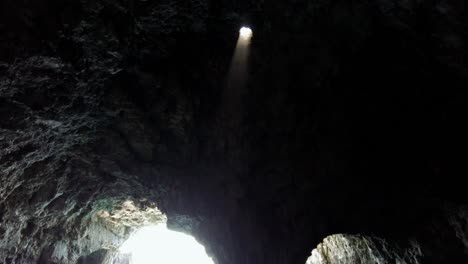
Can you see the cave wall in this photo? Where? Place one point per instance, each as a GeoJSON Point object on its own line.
{"type": "Point", "coordinates": [351, 122]}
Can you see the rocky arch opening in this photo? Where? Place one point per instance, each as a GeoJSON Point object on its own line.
{"type": "Point", "coordinates": [158, 244]}
{"type": "Point", "coordinates": [347, 248]}
{"type": "Point", "coordinates": [131, 234]}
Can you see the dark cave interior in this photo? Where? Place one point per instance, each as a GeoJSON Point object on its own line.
{"type": "Point", "coordinates": [349, 128]}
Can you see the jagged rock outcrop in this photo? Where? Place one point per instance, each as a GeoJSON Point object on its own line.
{"type": "Point", "coordinates": [344, 249]}
{"type": "Point", "coordinates": [441, 241]}
{"type": "Point", "coordinates": [55, 185]}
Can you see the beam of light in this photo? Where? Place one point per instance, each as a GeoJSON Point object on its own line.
{"type": "Point", "coordinates": [159, 245]}
{"type": "Point", "coordinates": [237, 76]}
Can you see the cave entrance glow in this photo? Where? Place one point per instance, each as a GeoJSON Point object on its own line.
{"type": "Point", "coordinates": [159, 245]}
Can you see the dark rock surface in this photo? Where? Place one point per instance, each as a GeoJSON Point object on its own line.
{"type": "Point", "coordinates": [352, 121]}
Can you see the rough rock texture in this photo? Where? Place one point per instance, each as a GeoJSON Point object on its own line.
{"type": "Point", "coordinates": [352, 121]}
{"type": "Point", "coordinates": [360, 249]}
{"type": "Point", "coordinates": [54, 182]}
{"type": "Point", "coordinates": [442, 241]}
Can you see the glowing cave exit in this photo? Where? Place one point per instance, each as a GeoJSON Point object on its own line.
{"type": "Point", "coordinates": [159, 245]}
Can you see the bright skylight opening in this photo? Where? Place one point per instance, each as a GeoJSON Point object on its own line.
{"type": "Point", "coordinates": [245, 33]}
{"type": "Point", "coordinates": [159, 245]}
